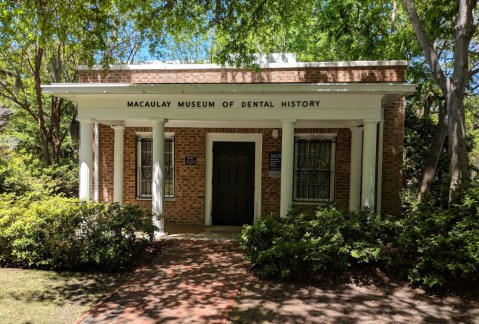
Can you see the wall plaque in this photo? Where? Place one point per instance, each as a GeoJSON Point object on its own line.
{"type": "Point", "coordinates": [275, 161]}
{"type": "Point", "coordinates": [275, 165]}
{"type": "Point", "coordinates": [190, 160]}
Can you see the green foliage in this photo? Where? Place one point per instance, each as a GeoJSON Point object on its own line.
{"type": "Point", "coordinates": [112, 235]}
{"type": "Point", "coordinates": [430, 245]}
{"type": "Point", "coordinates": [328, 240]}
{"type": "Point", "coordinates": [64, 233]}
{"type": "Point", "coordinates": [25, 175]}
{"type": "Point", "coordinates": [16, 176]}
{"type": "Point", "coordinates": [437, 246]}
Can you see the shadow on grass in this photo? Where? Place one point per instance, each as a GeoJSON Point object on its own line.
{"type": "Point", "coordinates": [64, 288]}
{"type": "Point", "coordinates": [358, 298]}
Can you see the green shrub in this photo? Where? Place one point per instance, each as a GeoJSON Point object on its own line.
{"type": "Point", "coordinates": [438, 246]}
{"type": "Point", "coordinates": [112, 235]}
{"type": "Point", "coordinates": [43, 233]}
{"type": "Point", "coordinates": [24, 175]}
{"type": "Point", "coordinates": [328, 240]}
{"type": "Point", "coordinates": [64, 233]}
{"type": "Point", "coordinates": [16, 177]}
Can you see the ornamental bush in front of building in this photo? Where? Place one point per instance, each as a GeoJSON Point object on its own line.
{"type": "Point", "coordinates": [430, 246]}
{"type": "Point", "coordinates": [64, 233]}
{"type": "Point", "coordinates": [437, 246]}
{"type": "Point", "coordinates": [327, 240]}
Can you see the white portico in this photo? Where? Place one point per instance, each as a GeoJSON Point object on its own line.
{"type": "Point", "coordinates": [288, 107]}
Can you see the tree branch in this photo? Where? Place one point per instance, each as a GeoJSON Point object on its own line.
{"type": "Point", "coordinates": [426, 45]}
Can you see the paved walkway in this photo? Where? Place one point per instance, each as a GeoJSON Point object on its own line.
{"type": "Point", "coordinates": [194, 281]}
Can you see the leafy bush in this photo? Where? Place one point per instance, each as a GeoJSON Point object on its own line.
{"type": "Point", "coordinates": [438, 246]}
{"type": "Point", "coordinates": [64, 233]}
{"type": "Point", "coordinates": [24, 175]}
{"type": "Point", "coordinates": [325, 241]}
{"type": "Point", "coordinates": [112, 235]}
{"type": "Point", "coordinates": [16, 177]}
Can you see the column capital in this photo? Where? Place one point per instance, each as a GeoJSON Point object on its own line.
{"type": "Point", "coordinates": [157, 120]}
{"type": "Point", "coordinates": [356, 129]}
{"type": "Point", "coordinates": [118, 127]}
{"type": "Point", "coordinates": [86, 120]}
{"type": "Point", "coordinates": [289, 121]}
{"type": "Point", "coordinates": [371, 120]}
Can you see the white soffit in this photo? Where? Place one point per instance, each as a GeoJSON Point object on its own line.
{"type": "Point", "coordinates": [72, 90]}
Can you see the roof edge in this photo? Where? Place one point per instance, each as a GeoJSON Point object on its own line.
{"type": "Point", "coordinates": [170, 66]}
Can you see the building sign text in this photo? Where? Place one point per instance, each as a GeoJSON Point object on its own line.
{"type": "Point", "coordinates": [198, 104]}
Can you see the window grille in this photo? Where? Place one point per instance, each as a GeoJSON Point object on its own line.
{"type": "Point", "coordinates": [314, 173]}
{"type": "Point", "coordinates": [145, 167]}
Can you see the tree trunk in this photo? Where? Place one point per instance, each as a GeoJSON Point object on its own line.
{"type": "Point", "coordinates": [433, 157]}
{"type": "Point", "coordinates": [458, 163]}
{"type": "Point", "coordinates": [463, 32]}
{"type": "Point", "coordinates": [453, 88]}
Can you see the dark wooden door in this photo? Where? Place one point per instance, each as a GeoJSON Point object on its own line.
{"type": "Point", "coordinates": [233, 183]}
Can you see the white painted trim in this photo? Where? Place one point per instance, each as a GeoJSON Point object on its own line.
{"type": "Point", "coordinates": [102, 90]}
{"type": "Point", "coordinates": [173, 66]}
{"type": "Point", "coordinates": [118, 162]}
{"type": "Point", "coordinates": [380, 164]}
{"type": "Point", "coordinates": [287, 166]}
{"type": "Point", "coordinates": [355, 172]}
{"type": "Point", "coordinates": [246, 124]}
{"type": "Point", "coordinates": [146, 134]}
{"type": "Point", "coordinates": [325, 135]}
{"type": "Point", "coordinates": [368, 179]}
{"type": "Point", "coordinates": [257, 138]}
{"type": "Point", "coordinates": [85, 159]}
{"type": "Point", "coordinates": [96, 162]}
{"type": "Point", "coordinates": [157, 190]}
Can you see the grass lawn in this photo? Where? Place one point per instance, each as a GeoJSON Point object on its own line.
{"type": "Point", "coordinates": [32, 296]}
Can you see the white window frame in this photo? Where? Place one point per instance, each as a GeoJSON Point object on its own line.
{"type": "Point", "coordinates": [326, 136]}
{"type": "Point", "coordinates": [139, 195]}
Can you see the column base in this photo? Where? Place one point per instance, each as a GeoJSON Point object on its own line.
{"type": "Point", "coordinates": [159, 235]}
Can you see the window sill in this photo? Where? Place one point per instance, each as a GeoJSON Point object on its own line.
{"type": "Point", "coordinates": [164, 199]}
{"type": "Point", "coordinates": [312, 202]}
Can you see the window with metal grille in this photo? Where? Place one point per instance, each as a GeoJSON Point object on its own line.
{"type": "Point", "coordinates": [144, 155]}
{"type": "Point", "coordinates": [314, 169]}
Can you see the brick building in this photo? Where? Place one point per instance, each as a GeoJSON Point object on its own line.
{"type": "Point", "coordinates": [205, 144]}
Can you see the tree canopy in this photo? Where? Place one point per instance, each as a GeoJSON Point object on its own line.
{"type": "Point", "coordinates": [42, 41]}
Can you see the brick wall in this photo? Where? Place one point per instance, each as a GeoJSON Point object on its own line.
{"type": "Point", "coordinates": [188, 206]}
{"type": "Point", "coordinates": [265, 75]}
{"type": "Point", "coordinates": [393, 157]}
{"type": "Point", "coordinates": [106, 162]}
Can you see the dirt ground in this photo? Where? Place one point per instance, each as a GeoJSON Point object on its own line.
{"type": "Point", "coordinates": [372, 300]}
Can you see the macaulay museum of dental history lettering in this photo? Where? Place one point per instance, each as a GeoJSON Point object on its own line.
{"type": "Point", "coordinates": [194, 104]}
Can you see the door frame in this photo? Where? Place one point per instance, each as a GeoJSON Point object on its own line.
{"type": "Point", "coordinates": [256, 138]}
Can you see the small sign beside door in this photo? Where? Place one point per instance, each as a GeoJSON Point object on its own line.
{"type": "Point", "coordinates": [190, 160]}
{"type": "Point", "coordinates": [275, 165]}
{"type": "Point", "coordinates": [275, 161]}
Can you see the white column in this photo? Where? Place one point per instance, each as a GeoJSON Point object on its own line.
{"type": "Point", "coordinates": [86, 150]}
{"type": "Point", "coordinates": [380, 164]}
{"type": "Point", "coordinates": [118, 163]}
{"type": "Point", "coordinates": [355, 174]}
{"type": "Point", "coordinates": [157, 177]}
{"type": "Point", "coordinates": [287, 165]}
{"type": "Point", "coordinates": [369, 163]}
{"type": "Point", "coordinates": [96, 162]}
